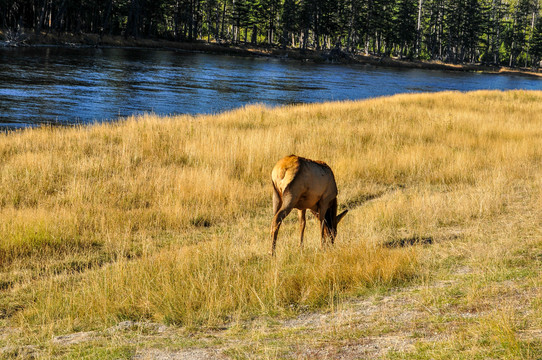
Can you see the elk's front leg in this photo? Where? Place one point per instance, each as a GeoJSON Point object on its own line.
{"type": "Point", "coordinates": [302, 223]}
{"type": "Point", "coordinates": [322, 217]}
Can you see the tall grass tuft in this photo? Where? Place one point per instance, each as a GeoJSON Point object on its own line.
{"type": "Point", "coordinates": [220, 281]}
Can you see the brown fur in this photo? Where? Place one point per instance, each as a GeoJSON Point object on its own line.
{"type": "Point", "coordinates": [303, 184]}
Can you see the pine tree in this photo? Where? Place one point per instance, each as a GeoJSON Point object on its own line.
{"type": "Point", "coordinates": [433, 29]}
{"type": "Point", "coordinates": [535, 47]}
{"type": "Point", "coordinates": [471, 30]}
{"type": "Point", "coordinates": [405, 25]}
{"type": "Point", "coordinates": [289, 21]}
{"type": "Point", "coordinates": [516, 31]}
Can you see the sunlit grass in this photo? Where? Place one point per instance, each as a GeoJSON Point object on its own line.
{"type": "Point", "coordinates": [167, 218]}
{"type": "Point", "coordinates": [218, 281]}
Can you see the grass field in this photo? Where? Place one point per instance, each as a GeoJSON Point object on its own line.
{"type": "Point", "coordinates": [149, 237]}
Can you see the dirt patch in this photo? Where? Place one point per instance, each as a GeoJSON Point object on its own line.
{"type": "Point", "coordinates": [138, 326]}
{"type": "Point", "coordinates": [360, 316]}
{"type": "Point", "coordinates": [75, 338]}
{"type": "Point", "coordinates": [124, 326]}
{"type": "Point", "coordinates": [192, 354]}
{"type": "Point", "coordinates": [354, 311]}
{"type": "Point", "coordinates": [7, 331]}
{"type": "Point", "coordinates": [19, 352]}
{"type": "Point", "coordinates": [365, 348]}
{"type": "Point", "coordinates": [530, 335]}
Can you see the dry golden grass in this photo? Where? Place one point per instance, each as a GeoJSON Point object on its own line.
{"type": "Point", "coordinates": [167, 219]}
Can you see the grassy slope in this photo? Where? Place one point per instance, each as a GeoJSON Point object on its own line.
{"type": "Point", "coordinates": [167, 220]}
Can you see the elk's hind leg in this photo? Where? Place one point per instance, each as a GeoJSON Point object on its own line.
{"type": "Point", "coordinates": [275, 225]}
{"type": "Point", "coordinates": [277, 200]}
{"type": "Point", "coordinates": [287, 205]}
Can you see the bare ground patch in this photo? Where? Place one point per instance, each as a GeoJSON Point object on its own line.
{"type": "Point", "coordinates": [191, 354]}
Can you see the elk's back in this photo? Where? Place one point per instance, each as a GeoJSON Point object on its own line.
{"type": "Point", "coordinates": [307, 180]}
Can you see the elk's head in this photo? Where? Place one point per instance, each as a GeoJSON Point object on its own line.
{"type": "Point", "coordinates": [331, 222]}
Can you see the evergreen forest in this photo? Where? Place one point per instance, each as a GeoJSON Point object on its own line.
{"type": "Point", "coordinates": [491, 32]}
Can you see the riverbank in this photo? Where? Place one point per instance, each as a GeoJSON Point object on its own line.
{"type": "Point", "coordinates": [149, 237]}
{"type": "Point", "coordinates": [336, 56]}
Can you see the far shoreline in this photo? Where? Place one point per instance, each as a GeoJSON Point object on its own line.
{"type": "Point", "coordinates": [249, 50]}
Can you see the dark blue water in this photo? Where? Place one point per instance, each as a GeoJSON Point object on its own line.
{"type": "Point", "coordinates": [67, 85]}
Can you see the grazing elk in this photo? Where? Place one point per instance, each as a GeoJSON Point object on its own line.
{"type": "Point", "coordinates": [305, 184]}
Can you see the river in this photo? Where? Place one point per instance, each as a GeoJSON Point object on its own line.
{"type": "Point", "coordinates": [54, 85]}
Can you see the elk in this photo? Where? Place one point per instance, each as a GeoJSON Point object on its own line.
{"type": "Point", "coordinates": [305, 184]}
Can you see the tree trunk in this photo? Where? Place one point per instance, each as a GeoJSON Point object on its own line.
{"type": "Point", "coordinates": [285, 38]}
{"type": "Point", "coordinates": [57, 25]}
{"type": "Point", "coordinates": [270, 32]}
{"type": "Point", "coordinates": [512, 48]}
{"type": "Point", "coordinates": [496, 58]}
{"type": "Point", "coordinates": [254, 34]}
{"type": "Point", "coordinates": [197, 30]}
{"type": "Point", "coordinates": [133, 19]}
{"type": "Point", "coordinates": [217, 22]}
{"type": "Point", "coordinates": [530, 38]}
{"type": "Point", "coordinates": [419, 28]}
{"type": "Point", "coordinates": [223, 20]}
{"type": "Point", "coordinates": [41, 18]}
{"type": "Point", "coordinates": [350, 28]}
{"type": "Point", "coordinates": [106, 25]}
